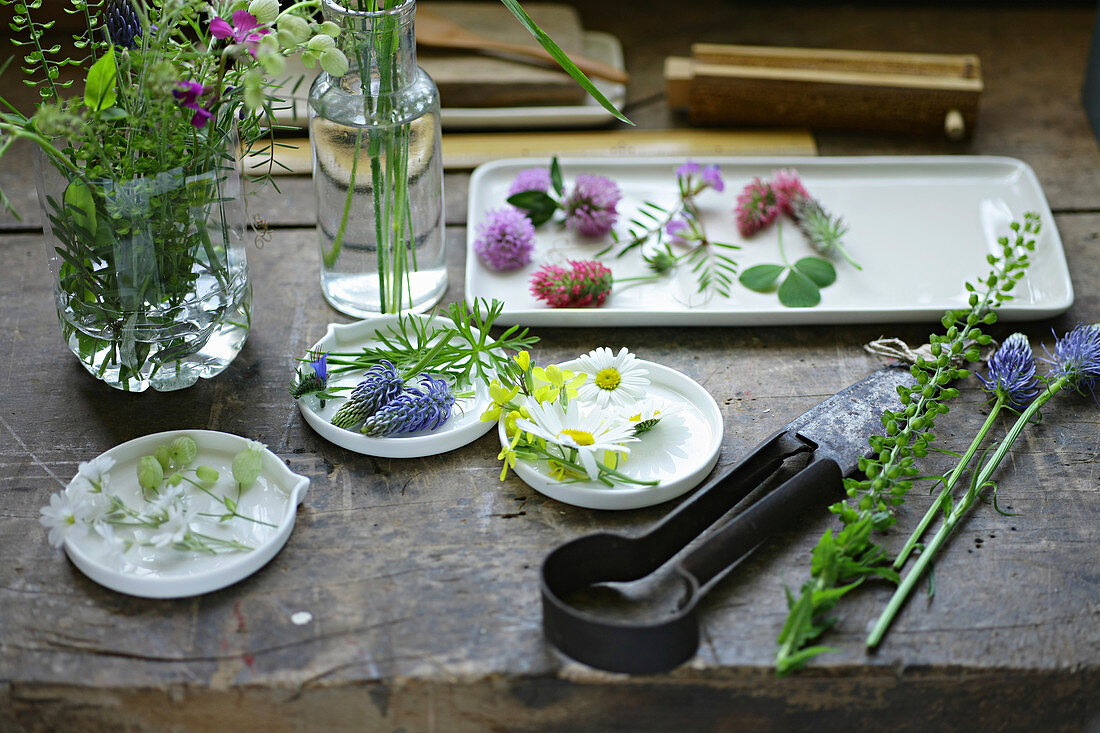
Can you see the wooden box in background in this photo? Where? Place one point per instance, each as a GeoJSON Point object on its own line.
{"type": "Point", "coordinates": [827, 89]}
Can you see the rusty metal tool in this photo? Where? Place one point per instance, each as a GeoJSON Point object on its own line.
{"type": "Point", "coordinates": [834, 434]}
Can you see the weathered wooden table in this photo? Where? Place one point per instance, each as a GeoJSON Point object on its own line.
{"type": "Point", "coordinates": [421, 574]}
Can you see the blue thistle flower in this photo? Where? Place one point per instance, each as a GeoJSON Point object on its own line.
{"type": "Point", "coordinates": [1077, 357]}
{"type": "Point", "coordinates": [122, 23]}
{"type": "Point", "coordinates": [306, 383]}
{"type": "Point", "coordinates": [1011, 372]}
{"type": "Point", "coordinates": [415, 409]}
{"type": "Point", "coordinates": [379, 387]}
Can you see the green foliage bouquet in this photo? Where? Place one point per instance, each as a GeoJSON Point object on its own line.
{"type": "Point", "coordinates": [138, 176]}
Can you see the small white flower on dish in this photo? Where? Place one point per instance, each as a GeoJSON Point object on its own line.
{"type": "Point", "coordinates": [616, 379]}
{"type": "Point", "coordinates": [588, 431]}
{"type": "Point", "coordinates": [174, 528]}
{"type": "Point", "coordinates": [59, 517]}
{"type": "Point", "coordinates": [96, 471]}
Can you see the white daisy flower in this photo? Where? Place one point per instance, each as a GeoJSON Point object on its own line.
{"type": "Point", "coordinates": [645, 414]}
{"type": "Point", "coordinates": [174, 528]}
{"type": "Point", "coordinates": [588, 432]}
{"type": "Point", "coordinates": [59, 517]}
{"type": "Point", "coordinates": [615, 379]}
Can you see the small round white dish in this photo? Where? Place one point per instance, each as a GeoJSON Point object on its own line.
{"type": "Point", "coordinates": [151, 572]}
{"type": "Point", "coordinates": [678, 452]}
{"type": "Point", "coordinates": [463, 427]}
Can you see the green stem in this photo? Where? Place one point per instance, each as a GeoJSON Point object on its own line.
{"type": "Point", "coordinates": [925, 559]}
{"type": "Point", "coordinates": [949, 482]}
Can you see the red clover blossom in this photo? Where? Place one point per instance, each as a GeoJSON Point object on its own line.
{"type": "Point", "coordinates": [506, 239]}
{"type": "Point", "coordinates": [587, 282]}
{"type": "Point", "coordinates": [757, 207]}
{"type": "Point", "coordinates": [788, 189]}
{"type": "Point", "coordinates": [590, 207]}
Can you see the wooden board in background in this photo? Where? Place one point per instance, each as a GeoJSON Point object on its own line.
{"type": "Point", "coordinates": [465, 151]}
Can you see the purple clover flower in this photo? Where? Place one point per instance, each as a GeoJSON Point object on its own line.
{"type": "Point", "coordinates": [590, 207]}
{"type": "Point", "coordinates": [1011, 372]}
{"type": "Point", "coordinates": [1077, 357]}
{"type": "Point", "coordinates": [506, 239]}
{"type": "Point", "coordinates": [417, 408]}
{"type": "Point", "coordinates": [530, 179]}
{"type": "Point", "coordinates": [187, 94]}
{"type": "Point", "coordinates": [712, 176]}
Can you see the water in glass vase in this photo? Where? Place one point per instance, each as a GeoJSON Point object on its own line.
{"type": "Point", "coordinates": [377, 169]}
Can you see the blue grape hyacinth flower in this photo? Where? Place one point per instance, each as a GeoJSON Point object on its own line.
{"type": "Point", "coordinates": [417, 408]}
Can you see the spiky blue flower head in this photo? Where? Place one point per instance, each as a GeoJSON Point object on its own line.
{"type": "Point", "coordinates": [417, 408]}
{"type": "Point", "coordinates": [309, 383]}
{"type": "Point", "coordinates": [1011, 372]}
{"type": "Point", "coordinates": [1077, 356]}
{"type": "Point", "coordinates": [379, 387]}
{"type": "Point", "coordinates": [122, 23]}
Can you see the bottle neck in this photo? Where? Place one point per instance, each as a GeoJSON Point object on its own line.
{"type": "Point", "coordinates": [379, 40]}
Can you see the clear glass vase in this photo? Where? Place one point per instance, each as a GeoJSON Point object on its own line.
{"type": "Point", "coordinates": [150, 277]}
{"type": "Point", "coordinates": [377, 170]}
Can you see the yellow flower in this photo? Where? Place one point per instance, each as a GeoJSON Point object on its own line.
{"type": "Point", "coordinates": [524, 360]}
{"type": "Point", "coordinates": [510, 421]}
{"type": "Point", "coordinates": [508, 455]}
{"type": "Point", "coordinates": [500, 397]}
{"type": "Point", "coordinates": [546, 393]}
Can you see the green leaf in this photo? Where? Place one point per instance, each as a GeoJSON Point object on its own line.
{"type": "Point", "coordinates": [819, 270]}
{"type": "Point", "coordinates": [82, 206]}
{"type": "Point", "coordinates": [555, 176]}
{"type": "Point", "coordinates": [99, 90]}
{"type": "Point", "coordinates": [538, 206]}
{"type": "Point", "coordinates": [761, 277]}
{"type": "Point", "coordinates": [563, 60]}
{"type": "Point", "coordinates": [799, 291]}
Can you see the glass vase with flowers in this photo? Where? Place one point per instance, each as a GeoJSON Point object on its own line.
{"type": "Point", "coordinates": [138, 176]}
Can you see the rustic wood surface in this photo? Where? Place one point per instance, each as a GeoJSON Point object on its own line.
{"type": "Point", "coordinates": [421, 574]}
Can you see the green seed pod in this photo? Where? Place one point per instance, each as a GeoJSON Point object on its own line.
{"type": "Point", "coordinates": [164, 456]}
{"type": "Point", "coordinates": [206, 474]}
{"type": "Point", "coordinates": [248, 464]}
{"type": "Point", "coordinates": [184, 451]}
{"type": "Point", "coordinates": [149, 473]}
{"type": "Point", "coordinates": [175, 479]}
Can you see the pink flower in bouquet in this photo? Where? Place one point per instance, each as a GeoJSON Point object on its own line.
{"type": "Point", "coordinates": [246, 30]}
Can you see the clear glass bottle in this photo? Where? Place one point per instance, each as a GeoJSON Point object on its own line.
{"type": "Point", "coordinates": [377, 170]}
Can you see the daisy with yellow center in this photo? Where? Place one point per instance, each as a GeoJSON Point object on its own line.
{"type": "Point", "coordinates": [584, 434]}
{"type": "Point", "coordinates": [616, 380]}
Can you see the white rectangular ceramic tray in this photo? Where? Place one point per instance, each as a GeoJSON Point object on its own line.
{"type": "Point", "coordinates": [919, 226]}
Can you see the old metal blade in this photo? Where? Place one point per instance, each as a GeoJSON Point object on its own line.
{"type": "Point", "coordinates": [841, 425]}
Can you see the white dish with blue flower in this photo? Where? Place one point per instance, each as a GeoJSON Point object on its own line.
{"type": "Point", "coordinates": [460, 425]}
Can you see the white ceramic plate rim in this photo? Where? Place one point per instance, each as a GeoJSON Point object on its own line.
{"type": "Point", "coordinates": [480, 283]}
{"type": "Point", "coordinates": [594, 495]}
{"type": "Point", "coordinates": [453, 434]}
{"type": "Point", "coordinates": [154, 585]}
